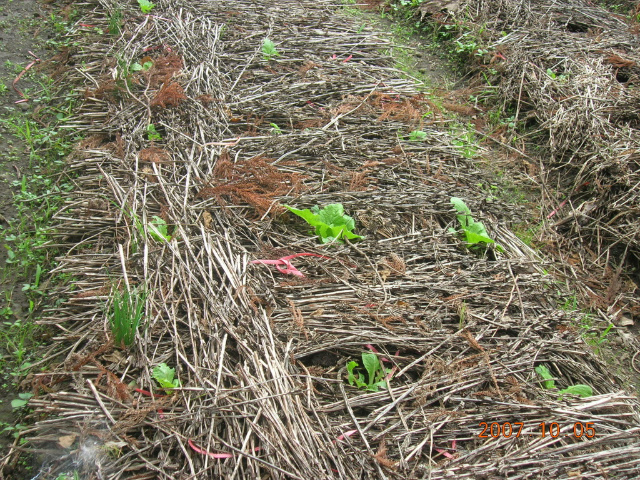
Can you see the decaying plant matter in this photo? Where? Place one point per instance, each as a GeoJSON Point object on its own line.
{"type": "Point", "coordinates": [260, 356]}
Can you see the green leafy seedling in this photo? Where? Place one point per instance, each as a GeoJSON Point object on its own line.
{"type": "Point", "coordinates": [275, 129]}
{"type": "Point", "coordinates": [547, 379]}
{"type": "Point", "coordinates": [375, 371]}
{"type": "Point", "coordinates": [146, 6]}
{"type": "Point", "coordinates": [417, 136]}
{"type": "Point", "coordinates": [22, 401]}
{"type": "Point", "coordinates": [158, 229]}
{"type": "Point", "coordinates": [152, 133]}
{"type": "Point", "coordinates": [583, 391]}
{"type": "Point", "coordinates": [331, 224]}
{"type": "Point", "coordinates": [269, 50]}
{"type": "Point", "coordinates": [164, 375]}
{"type": "Point", "coordinates": [475, 233]}
{"type": "Point", "coordinates": [136, 67]}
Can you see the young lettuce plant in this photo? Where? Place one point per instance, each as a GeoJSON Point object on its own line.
{"type": "Point", "coordinates": [331, 224]}
{"type": "Point", "coordinates": [375, 371]}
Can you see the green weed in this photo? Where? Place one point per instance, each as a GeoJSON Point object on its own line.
{"type": "Point", "coordinates": [417, 136]}
{"type": "Point", "coordinates": [115, 22]}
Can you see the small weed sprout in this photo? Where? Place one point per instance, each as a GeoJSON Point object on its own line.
{"type": "Point", "coordinates": [115, 22]}
{"type": "Point", "coordinates": [127, 314]}
{"type": "Point", "coordinates": [269, 50]}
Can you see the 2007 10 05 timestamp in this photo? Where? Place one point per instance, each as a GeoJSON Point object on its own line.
{"type": "Point", "coordinates": [544, 429]}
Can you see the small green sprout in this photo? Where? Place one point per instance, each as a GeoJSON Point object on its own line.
{"type": "Point", "coordinates": [331, 224]}
{"type": "Point", "coordinates": [475, 233]}
{"type": "Point", "coordinates": [152, 133]}
{"type": "Point", "coordinates": [417, 136]}
{"type": "Point", "coordinates": [548, 383]}
{"type": "Point", "coordinates": [22, 401]}
{"type": "Point", "coordinates": [164, 375]}
{"type": "Point", "coordinates": [158, 229]}
{"type": "Point", "coordinates": [376, 373]}
{"type": "Point", "coordinates": [269, 50]}
{"type": "Point", "coordinates": [275, 129]}
{"type": "Point", "coordinates": [146, 6]}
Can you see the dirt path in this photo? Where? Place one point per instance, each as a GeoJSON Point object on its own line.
{"type": "Point", "coordinates": [260, 351]}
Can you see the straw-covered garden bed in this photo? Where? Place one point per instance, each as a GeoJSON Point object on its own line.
{"type": "Point", "coordinates": [175, 215]}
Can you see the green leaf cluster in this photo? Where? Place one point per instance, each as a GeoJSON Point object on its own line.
{"type": "Point", "coordinates": [475, 233]}
{"type": "Point", "coordinates": [146, 6]}
{"type": "Point", "coordinates": [331, 224]}
{"type": "Point", "coordinates": [269, 49]}
{"type": "Point", "coordinates": [152, 133]}
{"type": "Point", "coordinates": [376, 373]}
{"type": "Point", "coordinates": [548, 383]}
{"type": "Point", "coordinates": [21, 401]}
{"type": "Point", "coordinates": [165, 376]}
{"type": "Point", "coordinates": [158, 229]}
{"type": "Point", "coordinates": [417, 136]}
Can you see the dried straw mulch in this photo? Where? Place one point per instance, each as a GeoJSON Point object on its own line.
{"type": "Point", "coordinates": [261, 355]}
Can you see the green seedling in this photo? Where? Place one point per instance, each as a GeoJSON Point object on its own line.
{"type": "Point", "coordinates": [475, 233]}
{"type": "Point", "coordinates": [331, 224]}
{"type": "Point", "coordinates": [548, 383]}
{"type": "Point", "coordinates": [115, 22]}
{"type": "Point", "coordinates": [375, 371]}
{"type": "Point", "coordinates": [269, 50]}
{"type": "Point", "coordinates": [126, 316]}
{"type": "Point", "coordinates": [275, 129]}
{"type": "Point", "coordinates": [417, 136]}
{"type": "Point", "coordinates": [164, 375]}
{"type": "Point", "coordinates": [136, 67]}
{"type": "Point", "coordinates": [152, 133]}
{"type": "Point", "coordinates": [21, 401]}
{"type": "Point", "coordinates": [547, 379]}
{"type": "Point", "coordinates": [158, 229]}
{"type": "Point", "coordinates": [146, 6]}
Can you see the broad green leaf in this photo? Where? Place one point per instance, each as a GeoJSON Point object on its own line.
{"type": "Point", "coordinates": [582, 390]}
{"type": "Point", "coordinates": [269, 49]}
{"type": "Point", "coordinates": [331, 224]}
{"type": "Point", "coordinates": [164, 375]}
{"type": "Point", "coordinates": [158, 229]}
{"type": "Point", "coordinates": [350, 376]}
{"type": "Point", "coordinates": [474, 238]}
{"type": "Point", "coordinates": [548, 381]}
{"type": "Point", "coordinates": [371, 364]}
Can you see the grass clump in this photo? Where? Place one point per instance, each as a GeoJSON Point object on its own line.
{"type": "Point", "coordinates": [126, 315]}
